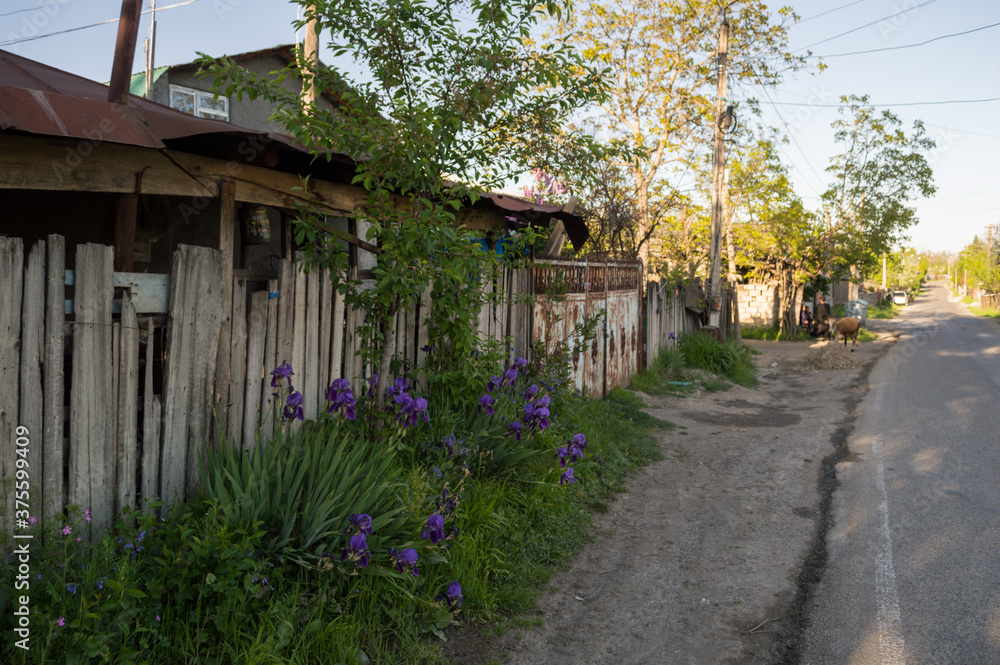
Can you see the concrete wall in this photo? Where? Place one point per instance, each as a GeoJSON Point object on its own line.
{"type": "Point", "coordinates": [758, 304]}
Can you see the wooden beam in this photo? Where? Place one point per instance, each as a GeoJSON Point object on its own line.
{"type": "Point", "coordinates": [121, 69]}
{"type": "Point", "coordinates": [40, 163]}
{"type": "Point", "coordinates": [274, 188]}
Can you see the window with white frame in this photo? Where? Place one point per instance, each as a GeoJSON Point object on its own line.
{"type": "Point", "coordinates": [198, 102]}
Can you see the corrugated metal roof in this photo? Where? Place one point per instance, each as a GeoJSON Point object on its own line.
{"type": "Point", "coordinates": [38, 99]}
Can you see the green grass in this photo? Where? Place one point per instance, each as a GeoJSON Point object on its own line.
{"type": "Point", "coordinates": [988, 313]}
{"type": "Point", "coordinates": [722, 365]}
{"type": "Point", "coordinates": [885, 310]}
{"type": "Point", "coordinates": [773, 333]}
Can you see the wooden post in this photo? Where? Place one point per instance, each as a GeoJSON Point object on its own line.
{"type": "Point", "coordinates": [128, 406]}
{"type": "Point", "coordinates": [270, 363]}
{"type": "Point", "coordinates": [91, 433]}
{"type": "Point", "coordinates": [151, 412]}
{"type": "Point", "coordinates": [121, 71]}
{"type": "Point", "coordinates": [223, 360]}
{"type": "Point", "coordinates": [11, 284]}
{"type": "Point", "coordinates": [32, 345]}
{"type": "Point", "coordinates": [256, 334]}
{"type": "Point", "coordinates": [237, 365]}
{"type": "Point", "coordinates": [192, 344]}
{"type": "Point", "coordinates": [54, 390]}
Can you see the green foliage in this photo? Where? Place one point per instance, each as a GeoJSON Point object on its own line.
{"type": "Point", "coordinates": [880, 170]}
{"type": "Point", "coordinates": [444, 102]}
{"type": "Point", "coordinates": [302, 487]}
{"type": "Point", "coordinates": [884, 310]}
{"type": "Point", "coordinates": [728, 360]}
{"type": "Point", "coordinates": [661, 60]}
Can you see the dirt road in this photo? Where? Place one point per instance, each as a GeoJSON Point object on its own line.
{"type": "Point", "coordinates": [707, 556]}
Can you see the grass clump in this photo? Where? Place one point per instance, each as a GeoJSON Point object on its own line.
{"type": "Point", "coordinates": [987, 313]}
{"type": "Point", "coordinates": [721, 363]}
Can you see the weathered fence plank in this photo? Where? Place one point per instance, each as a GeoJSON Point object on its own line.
{"type": "Point", "coordinates": [423, 333]}
{"type": "Point", "coordinates": [326, 302]}
{"type": "Point", "coordinates": [192, 345]}
{"type": "Point", "coordinates": [32, 345]}
{"type": "Point", "coordinates": [256, 333]}
{"type": "Point", "coordinates": [337, 345]}
{"type": "Point", "coordinates": [54, 375]}
{"type": "Point", "coordinates": [11, 290]}
{"type": "Point", "coordinates": [91, 434]}
{"type": "Point", "coordinates": [150, 425]}
{"type": "Point", "coordinates": [238, 365]}
{"type": "Point", "coordinates": [128, 405]}
{"type": "Point", "coordinates": [299, 326]}
{"type": "Point", "coordinates": [270, 351]}
{"type": "Point", "coordinates": [286, 312]}
{"type": "Point", "coordinates": [310, 368]}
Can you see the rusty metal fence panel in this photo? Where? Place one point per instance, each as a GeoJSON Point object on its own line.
{"type": "Point", "coordinates": [567, 294]}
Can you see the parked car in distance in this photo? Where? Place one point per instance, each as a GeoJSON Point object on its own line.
{"type": "Point", "coordinates": [900, 298]}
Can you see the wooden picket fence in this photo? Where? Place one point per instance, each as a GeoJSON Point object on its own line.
{"type": "Point", "coordinates": [120, 380]}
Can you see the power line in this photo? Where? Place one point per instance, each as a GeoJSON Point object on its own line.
{"type": "Point", "coordinates": [867, 25]}
{"type": "Point", "coordinates": [879, 106]}
{"type": "Point", "coordinates": [828, 11]}
{"type": "Point", "coordinates": [92, 25]}
{"type": "Point", "coordinates": [794, 140]}
{"type": "Point", "coordinates": [896, 48]}
{"type": "Point", "coordinates": [35, 8]}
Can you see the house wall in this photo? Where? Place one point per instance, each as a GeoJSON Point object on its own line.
{"type": "Point", "coordinates": [250, 114]}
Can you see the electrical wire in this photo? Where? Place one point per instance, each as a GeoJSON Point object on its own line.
{"type": "Point", "coordinates": [867, 25]}
{"type": "Point", "coordinates": [896, 48]}
{"type": "Point", "coordinates": [92, 25]}
{"type": "Point", "coordinates": [880, 106]}
{"type": "Point", "coordinates": [35, 8]}
{"type": "Point", "coordinates": [828, 11]}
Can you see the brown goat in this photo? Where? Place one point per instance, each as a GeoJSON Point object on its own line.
{"type": "Point", "coordinates": [848, 326]}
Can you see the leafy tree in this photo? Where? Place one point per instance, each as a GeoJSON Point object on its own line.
{"type": "Point", "coordinates": [774, 236]}
{"type": "Point", "coordinates": [880, 170]}
{"type": "Point", "coordinates": [979, 266]}
{"type": "Point", "coordinates": [659, 115]}
{"type": "Point", "coordinates": [445, 95]}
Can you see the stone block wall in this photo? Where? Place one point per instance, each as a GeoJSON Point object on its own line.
{"type": "Point", "coordinates": [758, 304]}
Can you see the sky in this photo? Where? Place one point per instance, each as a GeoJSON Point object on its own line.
{"type": "Point", "coordinates": [917, 83]}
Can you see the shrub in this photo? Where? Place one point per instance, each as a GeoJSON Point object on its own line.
{"type": "Point", "coordinates": [728, 360]}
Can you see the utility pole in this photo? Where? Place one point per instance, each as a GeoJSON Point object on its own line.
{"type": "Point", "coordinates": [722, 119]}
{"type": "Point", "coordinates": [150, 48]}
{"type": "Point", "coordinates": [883, 270]}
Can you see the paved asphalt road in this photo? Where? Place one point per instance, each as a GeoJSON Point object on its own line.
{"type": "Point", "coordinates": [913, 574]}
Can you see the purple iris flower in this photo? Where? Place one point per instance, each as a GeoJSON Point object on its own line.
{"type": "Point", "coordinates": [493, 384]}
{"type": "Point", "coordinates": [521, 363]}
{"type": "Point", "coordinates": [428, 348]}
{"type": "Point", "coordinates": [362, 521]}
{"type": "Point", "coordinates": [515, 427]}
{"type": "Point", "coordinates": [293, 406]}
{"type": "Point", "coordinates": [454, 594]}
{"type": "Point", "coordinates": [434, 530]}
{"type": "Point", "coordinates": [486, 404]}
{"type": "Point", "coordinates": [531, 392]}
{"type": "Point", "coordinates": [340, 398]}
{"type": "Point", "coordinates": [537, 414]}
{"type": "Point", "coordinates": [509, 377]}
{"type": "Point", "coordinates": [405, 560]}
{"type": "Point", "coordinates": [561, 455]}
{"type": "Point", "coordinates": [399, 387]}
{"type": "Point", "coordinates": [284, 371]}
{"type": "Point", "coordinates": [356, 551]}
{"type": "Point", "coordinates": [567, 477]}
{"type": "Point", "coordinates": [580, 441]}
{"type": "Point", "coordinates": [413, 410]}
